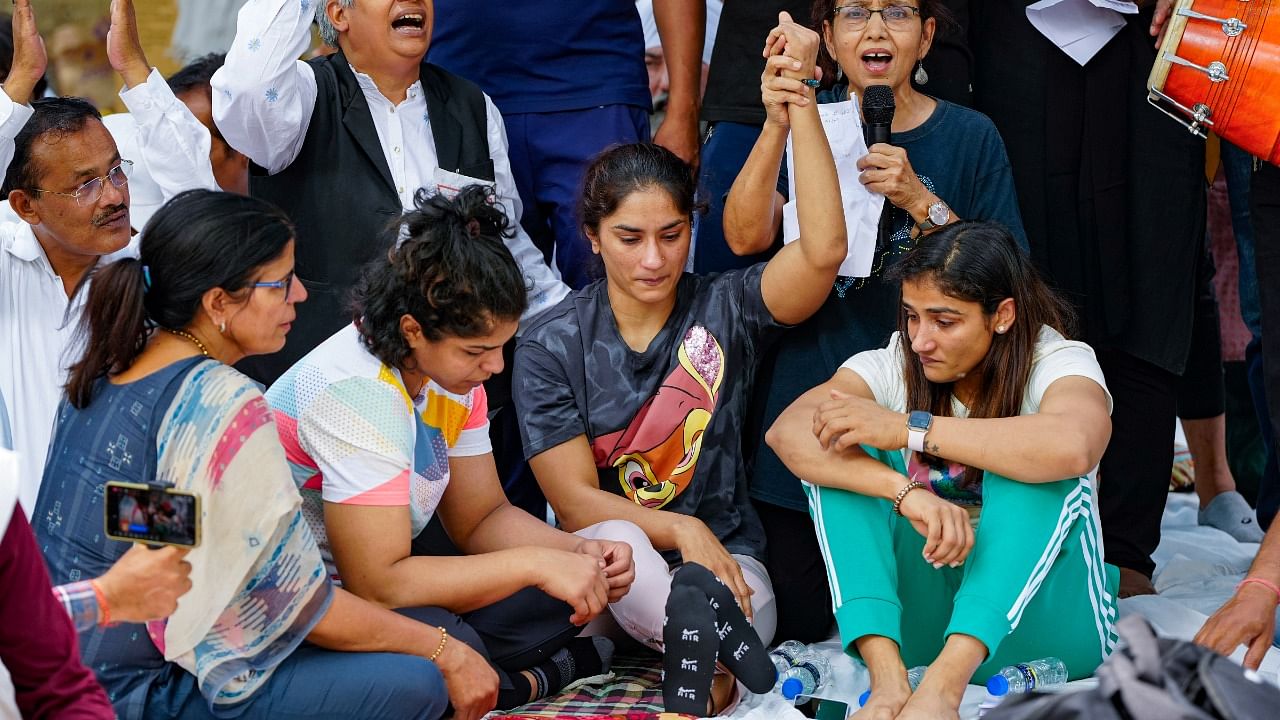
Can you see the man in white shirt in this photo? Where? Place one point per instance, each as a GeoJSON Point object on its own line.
{"type": "Point", "coordinates": [343, 142]}
{"type": "Point", "coordinates": [67, 182]}
{"type": "Point", "coordinates": [155, 177]}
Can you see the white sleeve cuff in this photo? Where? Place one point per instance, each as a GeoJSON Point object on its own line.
{"type": "Point", "coordinates": [149, 100]}
{"type": "Point", "coordinates": [12, 116]}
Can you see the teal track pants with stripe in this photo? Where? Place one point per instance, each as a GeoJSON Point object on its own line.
{"type": "Point", "coordinates": [1034, 585]}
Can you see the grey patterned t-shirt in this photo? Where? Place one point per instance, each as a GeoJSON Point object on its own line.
{"type": "Point", "coordinates": [664, 425]}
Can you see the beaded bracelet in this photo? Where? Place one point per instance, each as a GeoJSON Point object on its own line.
{"type": "Point", "coordinates": [104, 611]}
{"type": "Point", "coordinates": [902, 494]}
{"type": "Point", "coordinates": [444, 638]}
{"type": "Point", "coordinates": [1264, 583]}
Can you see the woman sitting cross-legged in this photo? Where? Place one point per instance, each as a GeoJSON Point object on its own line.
{"type": "Point", "coordinates": [632, 395]}
{"type": "Point", "coordinates": [155, 400]}
{"type": "Point", "coordinates": [979, 407]}
{"type": "Point", "coordinates": [385, 426]}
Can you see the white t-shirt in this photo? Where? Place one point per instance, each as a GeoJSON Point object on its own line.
{"type": "Point", "coordinates": [1055, 358]}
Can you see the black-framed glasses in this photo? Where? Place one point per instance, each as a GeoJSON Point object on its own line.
{"type": "Point", "coordinates": [856, 17]}
{"type": "Point", "coordinates": [285, 284]}
{"type": "Point", "coordinates": [90, 192]}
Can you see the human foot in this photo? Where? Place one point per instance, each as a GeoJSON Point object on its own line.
{"type": "Point", "coordinates": [1230, 513]}
{"type": "Point", "coordinates": [925, 705]}
{"type": "Point", "coordinates": [883, 704]}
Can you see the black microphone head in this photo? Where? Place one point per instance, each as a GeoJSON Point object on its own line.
{"type": "Point", "coordinates": [877, 105]}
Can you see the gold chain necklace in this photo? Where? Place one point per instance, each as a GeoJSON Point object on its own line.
{"type": "Point", "coordinates": [189, 336]}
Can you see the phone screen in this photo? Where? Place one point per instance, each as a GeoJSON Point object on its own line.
{"type": "Point", "coordinates": [152, 515]}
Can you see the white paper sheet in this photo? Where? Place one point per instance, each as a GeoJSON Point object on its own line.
{"type": "Point", "coordinates": [1079, 27]}
{"type": "Point", "coordinates": [843, 126]}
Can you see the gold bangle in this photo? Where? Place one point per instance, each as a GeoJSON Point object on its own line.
{"type": "Point", "coordinates": [444, 638]}
{"type": "Point", "coordinates": [902, 494]}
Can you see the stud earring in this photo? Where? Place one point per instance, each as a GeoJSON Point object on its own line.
{"type": "Point", "coordinates": [921, 77]}
{"type": "Point", "coordinates": [222, 327]}
{"type": "Point", "coordinates": [839, 73]}
{"type": "Point", "coordinates": [1000, 329]}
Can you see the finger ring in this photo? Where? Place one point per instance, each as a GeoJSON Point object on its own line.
{"type": "Point", "coordinates": [811, 82]}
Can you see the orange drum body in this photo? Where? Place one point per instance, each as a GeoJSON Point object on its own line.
{"type": "Point", "coordinates": [1219, 69]}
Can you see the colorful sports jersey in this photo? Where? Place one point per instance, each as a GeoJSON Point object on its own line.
{"type": "Point", "coordinates": [353, 435]}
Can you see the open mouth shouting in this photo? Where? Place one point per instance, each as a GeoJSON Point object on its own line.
{"type": "Point", "coordinates": [877, 61]}
{"type": "Point", "coordinates": [410, 23]}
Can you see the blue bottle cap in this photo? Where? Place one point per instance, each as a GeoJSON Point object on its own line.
{"type": "Point", "coordinates": [998, 685]}
{"type": "Point", "coordinates": [864, 697]}
{"type": "Point", "coordinates": [791, 687]}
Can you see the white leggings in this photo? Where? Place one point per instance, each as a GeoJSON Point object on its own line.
{"type": "Point", "coordinates": [642, 611]}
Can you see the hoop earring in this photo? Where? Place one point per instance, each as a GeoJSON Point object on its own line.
{"type": "Point", "coordinates": [921, 77]}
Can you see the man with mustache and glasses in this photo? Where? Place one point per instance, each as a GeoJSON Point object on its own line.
{"type": "Point", "coordinates": [68, 184]}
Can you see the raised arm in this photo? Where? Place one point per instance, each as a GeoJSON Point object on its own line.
{"type": "Point", "coordinates": [29, 62]}
{"type": "Point", "coordinates": [753, 210]}
{"type": "Point", "coordinates": [263, 96]}
{"type": "Point", "coordinates": [798, 279]}
{"type": "Point", "coordinates": [682, 28]}
{"type": "Point", "coordinates": [171, 144]}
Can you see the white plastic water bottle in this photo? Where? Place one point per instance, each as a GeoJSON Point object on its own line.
{"type": "Point", "coordinates": [810, 671]}
{"type": "Point", "coordinates": [1040, 674]}
{"type": "Point", "coordinates": [784, 656]}
{"type": "Point", "coordinates": [914, 676]}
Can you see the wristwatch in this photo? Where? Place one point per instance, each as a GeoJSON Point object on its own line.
{"type": "Point", "coordinates": [939, 214]}
{"type": "Point", "coordinates": [918, 424]}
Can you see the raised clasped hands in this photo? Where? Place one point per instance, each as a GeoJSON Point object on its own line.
{"type": "Point", "coordinates": [847, 421]}
{"type": "Point", "coordinates": [29, 57]}
{"type": "Point", "coordinates": [791, 56]}
{"type": "Point", "coordinates": [124, 46]}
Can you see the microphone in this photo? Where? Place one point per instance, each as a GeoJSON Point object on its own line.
{"type": "Point", "coordinates": [877, 121]}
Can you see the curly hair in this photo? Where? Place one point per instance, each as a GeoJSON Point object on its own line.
{"type": "Point", "coordinates": [451, 272]}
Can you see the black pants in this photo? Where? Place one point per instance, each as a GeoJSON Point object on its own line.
{"type": "Point", "coordinates": [1134, 475]}
{"type": "Point", "coordinates": [799, 576]}
{"type": "Point", "coordinates": [1202, 390]}
{"type": "Point", "coordinates": [1264, 197]}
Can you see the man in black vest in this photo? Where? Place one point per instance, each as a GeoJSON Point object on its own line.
{"type": "Point", "coordinates": [343, 142]}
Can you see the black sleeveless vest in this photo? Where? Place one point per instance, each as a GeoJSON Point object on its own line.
{"type": "Point", "coordinates": [340, 195]}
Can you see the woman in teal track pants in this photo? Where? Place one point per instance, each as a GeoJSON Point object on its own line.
{"type": "Point", "coordinates": [979, 412]}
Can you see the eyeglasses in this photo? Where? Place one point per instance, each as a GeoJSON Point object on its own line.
{"type": "Point", "coordinates": [856, 17]}
{"type": "Point", "coordinates": [90, 192]}
{"type": "Point", "coordinates": [286, 284]}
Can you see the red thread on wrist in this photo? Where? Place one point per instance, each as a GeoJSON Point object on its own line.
{"type": "Point", "coordinates": [104, 610]}
{"type": "Point", "coordinates": [1264, 583]}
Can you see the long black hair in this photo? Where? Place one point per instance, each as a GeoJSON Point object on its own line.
{"type": "Point", "coordinates": [452, 273]}
{"type": "Point", "coordinates": [980, 262]}
{"type": "Point", "coordinates": [198, 241]}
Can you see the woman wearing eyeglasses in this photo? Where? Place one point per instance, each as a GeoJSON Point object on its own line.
{"type": "Point", "coordinates": [944, 162]}
{"type": "Point", "coordinates": [154, 400]}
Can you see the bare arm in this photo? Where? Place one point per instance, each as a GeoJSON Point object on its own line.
{"type": "Point", "coordinates": [568, 477]}
{"type": "Point", "coordinates": [1249, 617]}
{"type": "Point", "coordinates": [682, 27]}
{"type": "Point", "coordinates": [372, 549]}
{"type": "Point", "coordinates": [354, 625]}
{"type": "Point", "coordinates": [1065, 439]}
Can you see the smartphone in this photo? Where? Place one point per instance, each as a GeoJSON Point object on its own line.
{"type": "Point", "coordinates": [153, 515]}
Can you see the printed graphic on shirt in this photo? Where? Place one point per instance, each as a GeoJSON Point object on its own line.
{"type": "Point", "coordinates": [657, 454]}
{"type": "Point", "coordinates": [946, 480]}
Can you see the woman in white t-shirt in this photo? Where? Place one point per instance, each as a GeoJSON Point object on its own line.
{"type": "Point", "coordinates": [980, 408]}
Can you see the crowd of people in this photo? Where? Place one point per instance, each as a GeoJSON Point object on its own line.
{"type": "Point", "coordinates": [475, 383]}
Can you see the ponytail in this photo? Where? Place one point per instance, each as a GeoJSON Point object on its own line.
{"type": "Point", "coordinates": [114, 326]}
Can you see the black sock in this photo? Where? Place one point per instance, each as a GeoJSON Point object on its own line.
{"type": "Point", "coordinates": [740, 649]}
{"type": "Point", "coordinates": [583, 657]}
{"type": "Point", "coordinates": [689, 657]}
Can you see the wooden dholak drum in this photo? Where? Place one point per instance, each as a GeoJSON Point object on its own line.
{"type": "Point", "coordinates": [1219, 69]}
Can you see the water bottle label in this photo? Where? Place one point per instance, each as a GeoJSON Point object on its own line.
{"type": "Point", "coordinates": [1029, 677]}
{"type": "Point", "coordinates": [813, 670]}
